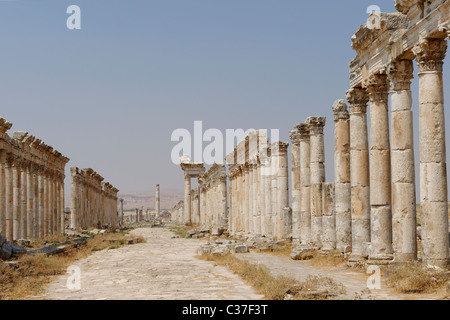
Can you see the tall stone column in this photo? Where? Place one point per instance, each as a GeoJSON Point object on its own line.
{"type": "Point", "coordinates": [267, 177]}
{"type": "Point", "coordinates": [158, 205]}
{"type": "Point", "coordinates": [284, 217]}
{"type": "Point", "coordinates": [41, 187]}
{"type": "Point", "coordinates": [305, 180]}
{"type": "Point", "coordinates": [223, 221]}
{"type": "Point", "coordinates": [274, 193]}
{"type": "Point", "coordinates": [36, 202]}
{"type": "Point", "coordinates": [317, 167]}
{"type": "Point", "coordinates": [245, 197]}
{"type": "Point", "coordinates": [250, 197]}
{"type": "Point", "coordinates": [359, 172]}
{"type": "Point", "coordinates": [2, 193]}
{"type": "Point", "coordinates": [187, 199]}
{"type": "Point", "coordinates": [342, 176]}
{"type": "Point", "coordinates": [255, 219]}
{"type": "Point", "coordinates": [23, 203]}
{"type": "Point", "coordinates": [46, 205]}
{"type": "Point", "coordinates": [402, 162]}
{"type": "Point", "coordinates": [74, 210]}
{"type": "Point", "coordinates": [328, 217]}
{"type": "Point", "coordinates": [9, 222]}
{"type": "Point", "coordinates": [296, 190]}
{"type": "Point", "coordinates": [17, 200]}
{"type": "Point", "coordinates": [381, 252]}
{"type": "Point", "coordinates": [62, 205]}
{"type": "Point", "coordinates": [30, 202]}
{"type": "Point", "coordinates": [430, 54]}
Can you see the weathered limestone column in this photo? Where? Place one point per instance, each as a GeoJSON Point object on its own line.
{"type": "Point", "coordinates": [62, 205]}
{"type": "Point", "coordinates": [41, 187]}
{"type": "Point", "coordinates": [46, 205]}
{"type": "Point", "coordinates": [255, 219]}
{"type": "Point", "coordinates": [9, 222]}
{"type": "Point", "coordinates": [36, 202]}
{"type": "Point", "coordinates": [223, 201]}
{"type": "Point", "coordinates": [381, 252]}
{"type": "Point", "coordinates": [305, 190]}
{"type": "Point", "coordinates": [30, 202]}
{"type": "Point", "coordinates": [267, 178]}
{"type": "Point", "coordinates": [187, 199]}
{"type": "Point", "coordinates": [342, 176]}
{"type": "Point", "coordinates": [2, 193]}
{"type": "Point", "coordinates": [284, 217]}
{"type": "Point", "coordinates": [250, 196]}
{"type": "Point", "coordinates": [246, 196]}
{"type": "Point", "coordinates": [274, 193]}
{"type": "Point", "coordinates": [17, 200]}
{"type": "Point", "coordinates": [402, 162]}
{"type": "Point", "coordinates": [296, 190]}
{"type": "Point", "coordinates": [157, 205]}
{"type": "Point", "coordinates": [317, 167]}
{"type": "Point", "coordinates": [359, 172]}
{"type": "Point", "coordinates": [23, 203]}
{"type": "Point", "coordinates": [328, 217]}
{"type": "Point", "coordinates": [430, 54]}
{"type": "Point", "coordinates": [74, 210]}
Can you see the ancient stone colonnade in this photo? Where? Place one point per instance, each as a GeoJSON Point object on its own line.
{"type": "Point", "coordinates": [31, 186]}
{"type": "Point", "coordinates": [177, 213]}
{"type": "Point", "coordinates": [370, 209]}
{"type": "Point", "coordinates": [382, 164]}
{"type": "Point", "coordinates": [259, 189]}
{"type": "Point", "coordinates": [94, 202]}
{"type": "Point", "coordinates": [213, 197]}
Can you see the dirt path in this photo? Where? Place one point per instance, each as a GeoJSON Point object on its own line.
{"type": "Point", "coordinates": [164, 268]}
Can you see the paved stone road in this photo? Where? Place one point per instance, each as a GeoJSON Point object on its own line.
{"type": "Point", "coordinates": [164, 268]}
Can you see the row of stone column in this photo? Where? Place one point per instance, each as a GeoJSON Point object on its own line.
{"type": "Point", "coordinates": [259, 187]}
{"type": "Point", "coordinates": [311, 213]}
{"type": "Point", "coordinates": [213, 197]}
{"type": "Point", "coordinates": [382, 170]}
{"type": "Point", "coordinates": [31, 186]}
{"type": "Point", "coordinates": [94, 202]}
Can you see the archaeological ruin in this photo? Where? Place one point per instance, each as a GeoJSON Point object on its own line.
{"type": "Point", "coordinates": [369, 211]}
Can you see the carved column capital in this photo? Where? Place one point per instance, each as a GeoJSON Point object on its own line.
{"type": "Point", "coordinates": [377, 86]}
{"type": "Point", "coordinates": [357, 98]}
{"type": "Point", "coordinates": [295, 136]}
{"type": "Point", "coordinates": [340, 110]}
{"type": "Point", "coordinates": [316, 124]}
{"type": "Point", "coordinates": [400, 73]}
{"type": "Point", "coordinates": [430, 55]}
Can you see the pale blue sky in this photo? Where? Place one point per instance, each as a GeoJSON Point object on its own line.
{"type": "Point", "coordinates": [109, 96]}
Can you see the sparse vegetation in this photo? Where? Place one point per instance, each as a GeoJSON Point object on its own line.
{"type": "Point", "coordinates": [278, 287]}
{"type": "Point", "coordinates": [28, 275]}
{"type": "Point", "coordinates": [413, 278]}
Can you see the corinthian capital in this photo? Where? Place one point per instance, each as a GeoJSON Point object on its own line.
{"type": "Point", "coordinates": [316, 124]}
{"type": "Point", "coordinates": [430, 54]}
{"type": "Point", "coordinates": [400, 73]}
{"type": "Point", "coordinates": [377, 86]}
{"type": "Point", "coordinates": [340, 110]}
{"type": "Point", "coordinates": [357, 98]}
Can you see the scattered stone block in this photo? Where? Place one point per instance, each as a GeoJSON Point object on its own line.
{"type": "Point", "coordinates": [220, 250]}
{"type": "Point", "coordinates": [241, 249]}
{"type": "Point", "coordinates": [302, 253]}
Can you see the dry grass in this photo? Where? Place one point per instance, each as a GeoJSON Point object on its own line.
{"type": "Point", "coordinates": [333, 258]}
{"type": "Point", "coordinates": [181, 230]}
{"type": "Point", "coordinates": [283, 249]}
{"type": "Point", "coordinates": [29, 274]}
{"type": "Point", "coordinates": [413, 278]}
{"type": "Point", "coordinates": [277, 287]}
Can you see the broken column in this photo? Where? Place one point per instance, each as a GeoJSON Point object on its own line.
{"type": "Point", "coordinates": [328, 217]}
{"type": "Point", "coordinates": [157, 205]}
